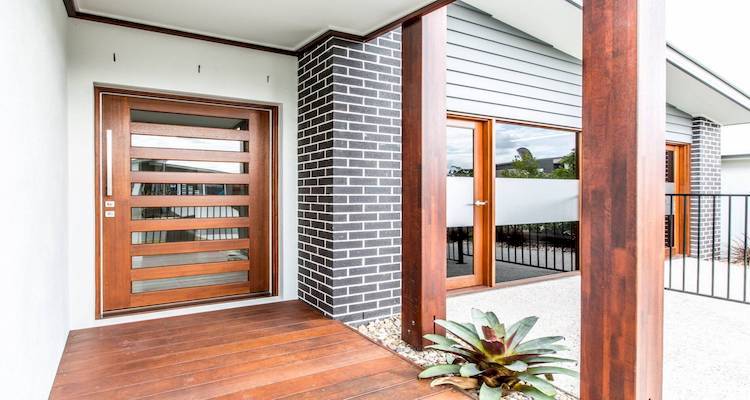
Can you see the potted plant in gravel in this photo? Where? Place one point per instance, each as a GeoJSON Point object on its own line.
{"type": "Point", "coordinates": [495, 360]}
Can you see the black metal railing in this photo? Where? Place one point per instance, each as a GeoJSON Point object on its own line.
{"type": "Point", "coordinates": [460, 243]}
{"type": "Point", "coordinates": [707, 245]}
{"type": "Point", "coordinates": [551, 245]}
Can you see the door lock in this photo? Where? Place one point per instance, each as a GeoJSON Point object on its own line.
{"type": "Point", "coordinates": [480, 203]}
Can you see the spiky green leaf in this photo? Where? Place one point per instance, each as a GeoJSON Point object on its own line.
{"type": "Point", "coordinates": [518, 331]}
{"type": "Point", "coordinates": [469, 369]}
{"type": "Point", "coordinates": [542, 343]}
{"type": "Point", "coordinates": [471, 327]}
{"type": "Point", "coordinates": [539, 383]}
{"type": "Point", "coordinates": [495, 324]}
{"type": "Point", "coordinates": [517, 366]}
{"type": "Point", "coordinates": [452, 350]}
{"type": "Point", "coordinates": [543, 370]}
{"type": "Point", "coordinates": [533, 392]}
{"type": "Point", "coordinates": [490, 393]}
{"type": "Point", "coordinates": [439, 370]}
{"type": "Point", "coordinates": [440, 339]}
{"type": "Point", "coordinates": [468, 335]}
{"type": "Point", "coordinates": [548, 359]}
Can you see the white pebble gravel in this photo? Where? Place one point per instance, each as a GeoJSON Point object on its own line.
{"type": "Point", "coordinates": [387, 331]}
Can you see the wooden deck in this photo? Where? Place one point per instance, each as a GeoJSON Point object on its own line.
{"type": "Point", "coordinates": [273, 351]}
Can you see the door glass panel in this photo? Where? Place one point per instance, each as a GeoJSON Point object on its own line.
{"type": "Point", "coordinates": [536, 201]}
{"type": "Point", "coordinates": [460, 201]}
{"type": "Point", "coordinates": [188, 189]}
{"type": "Point", "coordinates": [163, 260]}
{"type": "Point", "coordinates": [141, 213]}
{"type": "Point", "coordinates": [138, 164]}
{"type": "Point", "coordinates": [188, 235]}
{"type": "Point", "coordinates": [204, 121]}
{"type": "Point", "coordinates": [186, 143]}
{"type": "Point", "coordinates": [153, 285]}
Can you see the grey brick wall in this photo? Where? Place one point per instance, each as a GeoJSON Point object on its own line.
{"type": "Point", "coordinates": [705, 177]}
{"type": "Point", "coordinates": [315, 181]}
{"type": "Point", "coordinates": [349, 150]}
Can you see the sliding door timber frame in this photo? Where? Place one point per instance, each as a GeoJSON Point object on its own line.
{"type": "Point", "coordinates": [274, 152]}
{"type": "Point", "coordinates": [484, 224]}
{"type": "Point", "coordinates": [489, 125]}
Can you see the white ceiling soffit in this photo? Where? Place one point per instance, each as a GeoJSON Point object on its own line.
{"type": "Point", "coordinates": [284, 24]}
{"type": "Point", "coordinates": [557, 22]}
{"type": "Point", "coordinates": [699, 92]}
{"type": "Point", "coordinates": [690, 86]}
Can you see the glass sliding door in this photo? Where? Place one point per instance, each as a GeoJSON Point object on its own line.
{"type": "Point", "coordinates": [536, 201]}
{"type": "Point", "coordinates": [467, 203]}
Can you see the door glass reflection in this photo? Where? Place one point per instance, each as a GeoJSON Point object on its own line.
{"type": "Point", "coordinates": [188, 235]}
{"type": "Point", "coordinates": [149, 165]}
{"type": "Point", "coordinates": [186, 143]}
{"type": "Point", "coordinates": [460, 201]}
{"type": "Point", "coordinates": [153, 285]}
{"type": "Point", "coordinates": [201, 257]}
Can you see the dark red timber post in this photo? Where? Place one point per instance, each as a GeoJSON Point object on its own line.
{"type": "Point", "coordinates": [622, 199]}
{"type": "Point", "coordinates": [424, 169]}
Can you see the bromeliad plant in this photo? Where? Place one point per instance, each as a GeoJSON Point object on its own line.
{"type": "Point", "coordinates": [495, 360]}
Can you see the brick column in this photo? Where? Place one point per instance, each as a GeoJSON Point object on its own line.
{"type": "Point", "coordinates": [705, 177]}
{"type": "Point", "coordinates": [349, 178]}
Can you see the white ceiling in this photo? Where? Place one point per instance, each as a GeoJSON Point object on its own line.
{"type": "Point", "coordinates": [284, 24]}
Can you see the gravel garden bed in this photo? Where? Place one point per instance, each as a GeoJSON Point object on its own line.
{"type": "Point", "coordinates": [387, 331]}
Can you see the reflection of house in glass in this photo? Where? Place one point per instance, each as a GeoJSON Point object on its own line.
{"type": "Point", "coordinates": [544, 165]}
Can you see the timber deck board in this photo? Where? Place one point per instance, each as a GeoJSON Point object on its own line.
{"type": "Point", "coordinates": [271, 351]}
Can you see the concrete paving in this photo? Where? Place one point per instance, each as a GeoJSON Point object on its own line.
{"type": "Point", "coordinates": [706, 341]}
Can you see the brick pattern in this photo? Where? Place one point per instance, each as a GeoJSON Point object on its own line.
{"type": "Point", "coordinates": [315, 181]}
{"type": "Point", "coordinates": [350, 183]}
{"type": "Point", "coordinates": [705, 177]}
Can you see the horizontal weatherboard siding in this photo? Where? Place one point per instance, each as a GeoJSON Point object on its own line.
{"type": "Point", "coordinates": [496, 70]}
{"type": "Point", "coordinates": [679, 125]}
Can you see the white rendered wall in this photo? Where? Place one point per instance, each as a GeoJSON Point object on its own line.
{"type": "Point", "coordinates": [735, 179]}
{"type": "Point", "coordinates": [33, 159]}
{"type": "Point", "coordinates": [517, 201]}
{"type": "Point", "coordinates": [165, 63]}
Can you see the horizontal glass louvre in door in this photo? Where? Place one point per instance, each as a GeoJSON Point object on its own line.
{"type": "Point", "coordinates": [185, 202]}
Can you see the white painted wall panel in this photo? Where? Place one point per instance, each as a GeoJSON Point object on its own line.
{"type": "Point", "coordinates": [167, 63]}
{"type": "Point", "coordinates": [33, 161]}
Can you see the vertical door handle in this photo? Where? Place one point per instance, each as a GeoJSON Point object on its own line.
{"type": "Point", "coordinates": [109, 161]}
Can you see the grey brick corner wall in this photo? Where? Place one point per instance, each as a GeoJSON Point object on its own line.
{"type": "Point", "coordinates": [349, 152]}
{"type": "Point", "coordinates": [705, 177]}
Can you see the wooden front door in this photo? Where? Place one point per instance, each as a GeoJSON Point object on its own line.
{"type": "Point", "coordinates": [677, 187]}
{"type": "Point", "coordinates": [469, 203]}
{"type": "Point", "coordinates": [184, 201]}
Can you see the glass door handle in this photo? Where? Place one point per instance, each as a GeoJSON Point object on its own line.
{"type": "Point", "coordinates": [480, 203]}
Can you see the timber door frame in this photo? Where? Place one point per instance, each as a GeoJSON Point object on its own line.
{"type": "Point", "coordinates": [681, 233]}
{"type": "Point", "coordinates": [273, 192]}
{"type": "Point", "coordinates": [484, 217]}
